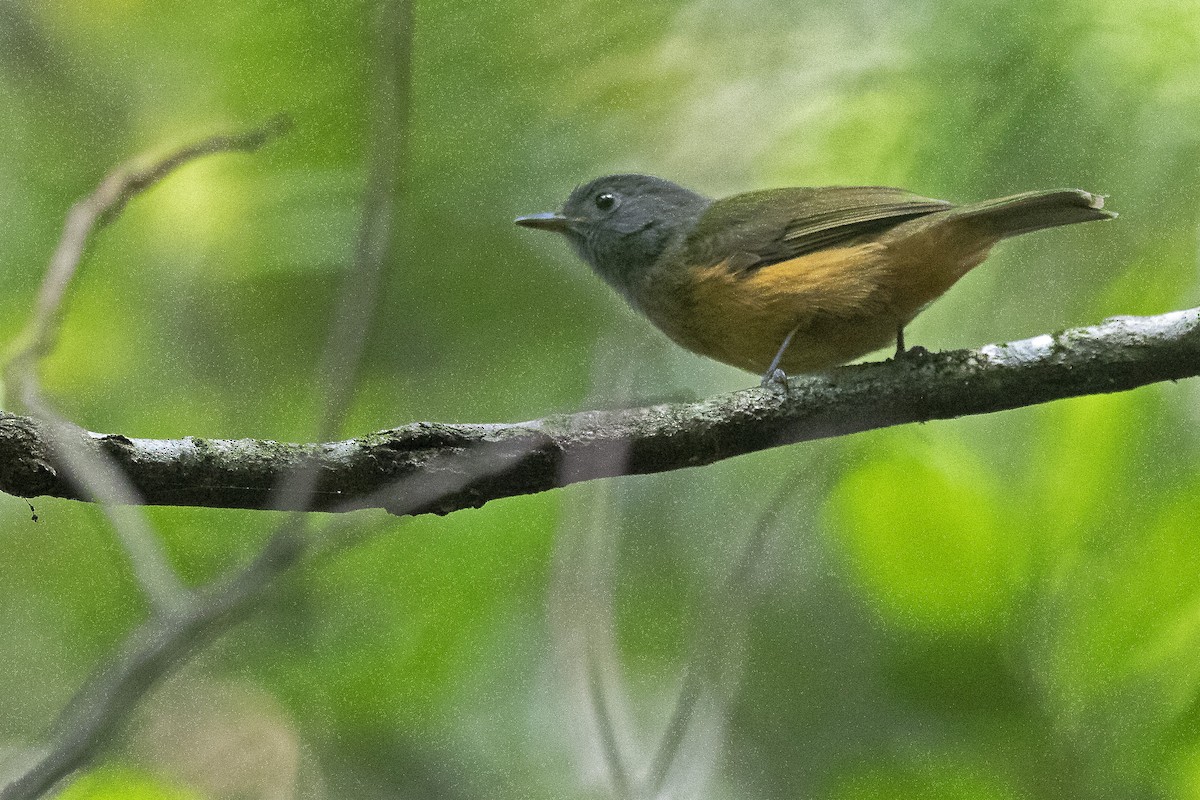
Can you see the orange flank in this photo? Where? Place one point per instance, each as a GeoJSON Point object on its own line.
{"type": "Point", "coordinates": [842, 302]}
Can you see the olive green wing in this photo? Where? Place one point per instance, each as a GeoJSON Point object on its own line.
{"type": "Point", "coordinates": [840, 214]}
{"type": "Point", "coordinates": [761, 228]}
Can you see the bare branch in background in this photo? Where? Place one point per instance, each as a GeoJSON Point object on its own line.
{"type": "Point", "coordinates": [1120, 354]}
{"type": "Point", "coordinates": [338, 371]}
{"type": "Point", "coordinates": [581, 611]}
{"type": "Point", "coordinates": [583, 617]}
{"type": "Point", "coordinates": [712, 672]}
{"type": "Point", "coordinates": [91, 471]}
{"type": "Point", "coordinates": [601, 705]}
{"type": "Point", "coordinates": [100, 207]}
{"type": "Point", "coordinates": [190, 620]}
{"type": "Point", "coordinates": [150, 651]}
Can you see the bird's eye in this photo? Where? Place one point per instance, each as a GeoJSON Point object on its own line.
{"type": "Point", "coordinates": [605, 201]}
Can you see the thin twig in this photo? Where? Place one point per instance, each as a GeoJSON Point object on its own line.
{"type": "Point", "coordinates": [715, 649]}
{"type": "Point", "coordinates": [158, 645]}
{"type": "Point", "coordinates": [169, 637]}
{"type": "Point", "coordinates": [92, 472]}
{"type": "Point", "coordinates": [339, 366]}
{"type": "Point", "coordinates": [606, 726]}
{"type": "Point", "coordinates": [582, 616]}
{"type": "Point", "coordinates": [101, 207]}
{"type": "Point", "coordinates": [100, 480]}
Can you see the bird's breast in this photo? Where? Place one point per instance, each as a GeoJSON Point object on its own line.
{"type": "Point", "coordinates": [842, 302]}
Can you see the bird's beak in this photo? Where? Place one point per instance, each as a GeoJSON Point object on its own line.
{"type": "Point", "coordinates": [549, 221]}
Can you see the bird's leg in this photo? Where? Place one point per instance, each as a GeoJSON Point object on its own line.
{"type": "Point", "coordinates": [774, 376]}
{"type": "Point", "coordinates": [916, 352]}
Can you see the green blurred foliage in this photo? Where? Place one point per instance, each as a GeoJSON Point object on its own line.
{"type": "Point", "coordinates": [948, 562]}
{"type": "Point", "coordinates": [125, 784]}
{"type": "Point", "coordinates": [999, 607]}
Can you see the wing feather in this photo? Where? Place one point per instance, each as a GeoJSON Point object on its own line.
{"type": "Point", "coordinates": [763, 228]}
{"type": "Point", "coordinates": [830, 228]}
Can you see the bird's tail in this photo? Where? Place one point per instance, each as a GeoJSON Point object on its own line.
{"type": "Point", "coordinates": [1033, 211]}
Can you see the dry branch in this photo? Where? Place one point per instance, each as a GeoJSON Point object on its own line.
{"type": "Point", "coordinates": [183, 620]}
{"type": "Point", "coordinates": [386, 469]}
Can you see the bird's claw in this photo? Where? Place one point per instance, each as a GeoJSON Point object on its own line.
{"type": "Point", "coordinates": [775, 381]}
{"type": "Point", "coordinates": [914, 353]}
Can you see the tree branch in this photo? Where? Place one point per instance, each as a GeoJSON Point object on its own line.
{"type": "Point", "coordinates": [385, 469]}
{"type": "Point", "coordinates": [100, 208]}
{"type": "Point", "coordinates": [183, 620]}
{"type": "Point", "coordinates": [96, 477]}
{"type": "Point", "coordinates": [151, 650]}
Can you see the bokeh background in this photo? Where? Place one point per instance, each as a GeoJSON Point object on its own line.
{"type": "Point", "coordinates": [1000, 607]}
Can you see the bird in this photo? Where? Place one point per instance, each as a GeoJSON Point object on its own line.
{"type": "Point", "coordinates": [790, 280]}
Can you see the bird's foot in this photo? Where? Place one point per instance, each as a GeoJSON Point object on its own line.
{"type": "Point", "coordinates": [775, 380]}
{"type": "Point", "coordinates": [914, 353]}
